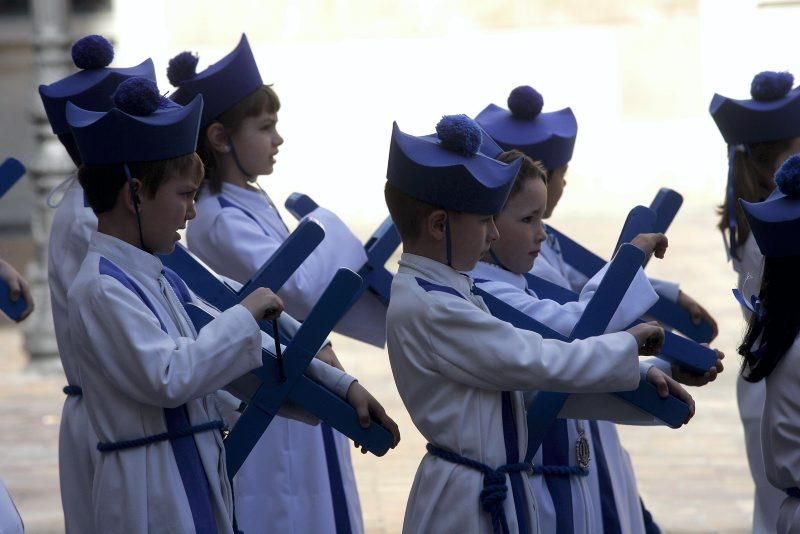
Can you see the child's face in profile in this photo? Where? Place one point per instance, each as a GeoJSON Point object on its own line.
{"type": "Point", "coordinates": [167, 212]}
{"type": "Point", "coordinates": [520, 227]}
{"type": "Point", "coordinates": [555, 188]}
{"type": "Point", "coordinates": [471, 236]}
{"type": "Point", "coordinates": [257, 141]}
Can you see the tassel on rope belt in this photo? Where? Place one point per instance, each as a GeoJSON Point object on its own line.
{"type": "Point", "coordinates": [109, 446]}
{"type": "Point", "coordinates": [72, 391]}
{"type": "Point", "coordinates": [495, 490]}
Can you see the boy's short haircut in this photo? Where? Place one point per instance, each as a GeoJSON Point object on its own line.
{"type": "Point", "coordinates": [263, 99]}
{"type": "Point", "coordinates": [530, 170]}
{"type": "Point", "coordinates": [102, 183]}
{"type": "Point", "coordinates": [406, 212]}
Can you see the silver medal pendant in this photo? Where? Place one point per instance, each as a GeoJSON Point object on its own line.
{"type": "Point", "coordinates": [582, 452]}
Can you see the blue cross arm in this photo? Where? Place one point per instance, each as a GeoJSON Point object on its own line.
{"type": "Point", "coordinates": [300, 205]}
{"type": "Point", "coordinates": [12, 308]}
{"type": "Point", "coordinates": [679, 350]}
{"type": "Point", "coordinates": [11, 170]}
{"type": "Point", "coordinates": [640, 220]}
{"type": "Point", "coordinates": [666, 205]}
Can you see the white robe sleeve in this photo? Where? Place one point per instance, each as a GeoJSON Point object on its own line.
{"type": "Point", "coordinates": [474, 348]}
{"type": "Point", "coordinates": [157, 369]}
{"type": "Point", "coordinates": [669, 290]}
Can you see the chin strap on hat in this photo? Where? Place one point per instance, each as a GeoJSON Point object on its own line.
{"type": "Point", "coordinates": [448, 241]}
{"type": "Point", "coordinates": [250, 176]}
{"type": "Point", "coordinates": [135, 199]}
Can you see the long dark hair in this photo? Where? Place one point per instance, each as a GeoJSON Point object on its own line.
{"type": "Point", "coordinates": [780, 323]}
{"type": "Point", "coordinates": [753, 172]}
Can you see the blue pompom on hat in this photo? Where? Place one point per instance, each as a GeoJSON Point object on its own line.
{"type": "Point", "coordinates": [144, 126]}
{"type": "Point", "coordinates": [92, 87]}
{"type": "Point", "coordinates": [525, 102]}
{"type": "Point", "coordinates": [223, 84]}
{"type": "Point", "coordinates": [92, 52]}
{"type": "Point", "coordinates": [788, 176]}
{"type": "Point", "coordinates": [775, 222]}
{"type": "Point", "coordinates": [181, 68]}
{"type": "Point", "coordinates": [139, 96]}
{"type": "Point", "coordinates": [545, 137]}
{"type": "Point", "coordinates": [769, 86]}
{"type": "Point", "coordinates": [454, 169]}
{"type": "Point", "coordinates": [460, 134]}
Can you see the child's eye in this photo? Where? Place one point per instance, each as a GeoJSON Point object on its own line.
{"type": "Point", "coordinates": [527, 220]}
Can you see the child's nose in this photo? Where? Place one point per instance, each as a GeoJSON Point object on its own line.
{"type": "Point", "coordinates": [494, 233]}
{"type": "Point", "coordinates": [540, 234]}
{"type": "Point", "coordinates": [191, 213]}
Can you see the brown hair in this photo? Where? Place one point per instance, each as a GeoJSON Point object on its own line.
{"type": "Point", "coordinates": [102, 183]}
{"type": "Point", "coordinates": [406, 212]}
{"type": "Point", "coordinates": [530, 169]}
{"type": "Point", "coordinates": [753, 172]}
{"type": "Point", "coordinates": [263, 99]}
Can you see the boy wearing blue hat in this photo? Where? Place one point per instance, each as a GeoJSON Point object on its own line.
{"type": "Point", "coordinates": [73, 223]}
{"type": "Point", "coordinates": [460, 371]}
{"type": "Point", "coordinates": [770, 347]}
{"type": "Point", "coordinates": [149, 377]}
{"type": "Point", "coordinates": [549, 137]}
{"type": "Point", "coordinates": [295, 467]}
{"type": "Point", "coordinates": [761, 133]}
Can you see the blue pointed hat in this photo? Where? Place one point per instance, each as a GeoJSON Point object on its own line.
{"type": "Point", "coordinates": [775, 222]}
{"type": "Point", "coordinates": [223, 84]}
{"type": "Point", "coordinates": [143, 126]}
{"type": "Point", "coordinates": [92, 87]}
{"type": "Point", "coordinates": [454, 169]}
{"type": "Point", "coordinates": [545, 137]}
{"type": "Point", "coordinates": [772, 114]}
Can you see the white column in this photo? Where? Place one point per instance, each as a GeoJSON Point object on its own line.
{"type": "Point", "coordinates": [50, 166]}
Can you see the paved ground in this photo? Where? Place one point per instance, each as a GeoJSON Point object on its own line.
{"type": "Point", "coordinates": [693, 480]}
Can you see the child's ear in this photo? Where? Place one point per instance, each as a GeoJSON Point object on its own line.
{"type": "Point", "coordinates": [218, 138]}
{"type": "Point", "coordinates": [435, 224]}
{"type": "Point", "coordinates": [130, 195]}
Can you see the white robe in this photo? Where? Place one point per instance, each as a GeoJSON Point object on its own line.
{"type": "Point", "coordinates": [131, 370]}
{"type": "Point", "coordinates": [750, 397]}
{"type": "Point", "coordinates": [288, 473]}
{"type": "Point", "coordinates": [10, 520]}
{"type": "Point", "coordinates": [73, 224]}
{"type": "Point", "coordinates": [780, 437]}
{"type": "Point", "coordinates": [451, 360]}
{"type": "Point", "coordinates": [513, 290]}
{"type": "Point", "coordinates": [551, 266]}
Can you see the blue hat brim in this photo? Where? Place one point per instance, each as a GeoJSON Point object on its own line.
{"type": "Point", "coordinates": [549, 138]}
{"type": "Point", "coordinates": [775, 224]}
{"type": "Point", "coordinates": [751, 121]}
{"type": "Point", "coordinates": [423, 169]}
{"type": "Point", "coordinates": [114, 136]}
{"type": "Point", "coordinates": [89, 89]}
{"type": "Point", "coordinates": [223, 84]}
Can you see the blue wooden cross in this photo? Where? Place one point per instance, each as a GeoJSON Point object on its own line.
{"type": "Point", "coordinates": [545, 407]}
{"type": "Point", "coordinates": [665, 204]}
{"type": "Point", "coordinates": [315, 398]}
{"type": "Point", "coordinates": [680, 350]}
{"type": "Point", "coordinates": [294, 386]}
{"type": "Point", "coordinates": [379, 247]}
{"type": "Point", "coordinates": [589, 263]}
{"type": "Point", "coordinates": [11, 171]}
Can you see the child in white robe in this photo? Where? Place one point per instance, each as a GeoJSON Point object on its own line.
{"type": "Point", "coordinates": [760, 135]}
{"type": "Point", "coordinates": [501, 273]}
{"type": "Point", "coordinates": [771, 345]}
{"type": "Point", "coordinates": [549, 138]}
{"type": "Point", "coordinates": [460, 371]}
{"type": "Point", "coordinates": [73, 224]}
{"type": "Point", "coordinates": [149, 376]}
{"type": "Point", "coordinates": [18, 287]}
{"type": "Point", "coordinates": [295, 467]}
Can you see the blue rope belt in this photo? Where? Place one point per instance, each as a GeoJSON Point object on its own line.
{"type": "Point", "coordinates": [155, 438]}
{"type": "Point", "coordinates": [72, 391]}
{"type": "Point", "coordinates": [793, 492]}
{"type": "Point", "coordinates": [494, 489]}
